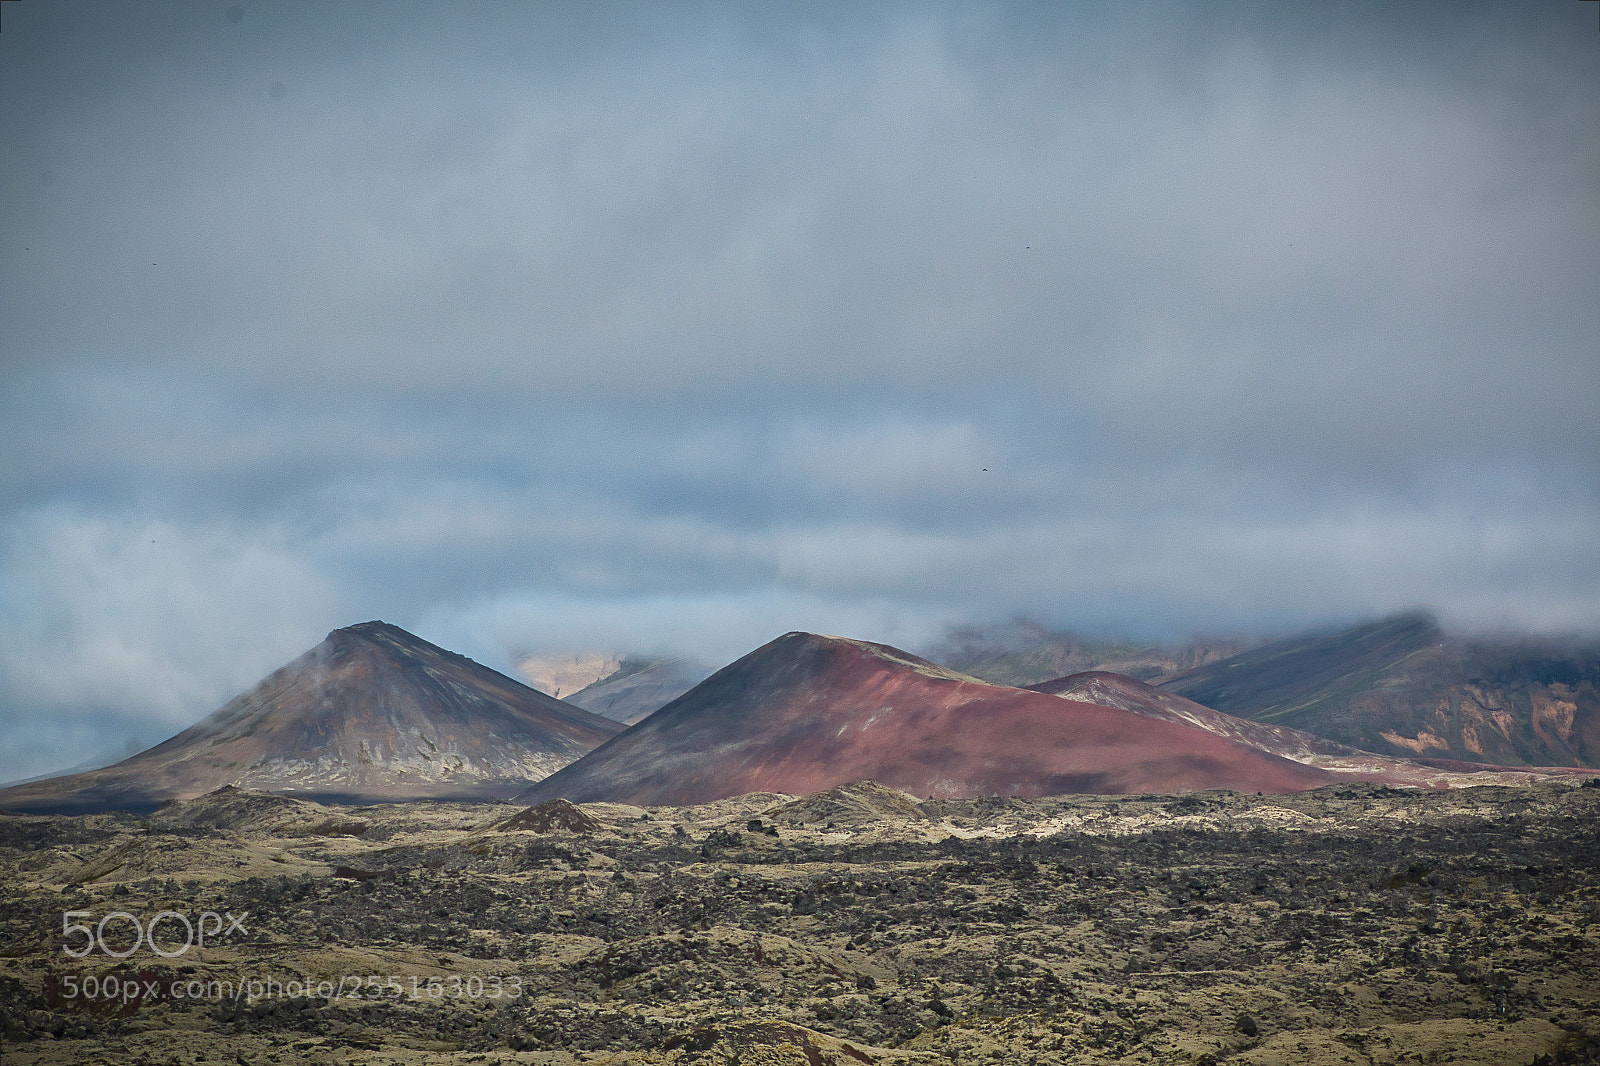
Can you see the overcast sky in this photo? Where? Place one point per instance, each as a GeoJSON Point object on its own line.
{"type": "Point", "coordinates": [673, 327]}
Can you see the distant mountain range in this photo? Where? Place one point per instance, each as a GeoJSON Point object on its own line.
{"type": "Point", "coordinates": [372, 713]}
{"type": "Point", "coordinates": [809, 712]}
{"type": "Point", "coordinates": [562, 675]}
{"type": "Point", "coordinates": [1108, 689]}
{"type": "Point", "coordinates": [1399, 686]}
{"type": "Point", "coordinates": [1402, 687]}
{"type": "Point", "coordinates": [1024, 653]}
{"type": "Point", "coordinates": [1017, 653]}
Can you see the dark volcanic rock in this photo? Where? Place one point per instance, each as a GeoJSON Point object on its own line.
{"type": "Point", "coordinates": [234, 808]}
{"type": "Point", "coordinates": [552, 816]}
{"type": "Point", "coordinates": [746, 1040]}
{"type": "Point", "coordinates": [1349, 924]}
{"type": "Point", "coordinates": [857, 803]}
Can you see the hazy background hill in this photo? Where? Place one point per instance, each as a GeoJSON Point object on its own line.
{"type": "Point", "coordinates": [562, 675]}
{"type": "Point", "coordinates": [1398, 686]}
{"type": "Point", "coordinates": [639, 686]}
{"type": "Point", "coordinates": [1024, 652]}
{"type": "Point", "coordinates": [1401, 686]}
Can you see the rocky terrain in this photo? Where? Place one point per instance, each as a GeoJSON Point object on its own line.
{"type": "Point", "coordinates": [1353, 924]}
{"type": "Point", "coordinates": [372, 713]}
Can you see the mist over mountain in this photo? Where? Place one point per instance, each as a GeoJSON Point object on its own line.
{"type": "Point", "coordinates": [640, 686]}
{"type": "Point", "coordinates": [1130, 365]}
{"type": "Point", "coordinates": [1402, 686]}
{"type": "Point", "coordinates": [1025, 652]}
{"type": "Point", "coordinates": [562, 676]}
{"type": "Point", "coordinates": [376, 713]}
{"type": "Point", "coordinates": [671, 328]}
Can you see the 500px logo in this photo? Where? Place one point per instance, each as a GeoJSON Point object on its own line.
{"type": "Point", "coordinates": [194, 933]}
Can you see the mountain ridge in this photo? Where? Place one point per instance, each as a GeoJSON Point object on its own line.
{"type": "Point", "coordinates": [807, 712]}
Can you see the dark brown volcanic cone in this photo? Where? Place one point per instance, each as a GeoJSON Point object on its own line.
{"type": "Point", "coordinates": [551, 816]}
{"type": "Point", "coordinates": [372, 713]}
{"type": "Point", "coordinates": [808, 712]}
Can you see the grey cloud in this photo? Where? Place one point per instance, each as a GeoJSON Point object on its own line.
{"type": "Point", "coordinates": [123, 626]}
{"type": "Point", "coordinates": [142, 613]}
{"type": "Point", "coordinates": [630, 233]}
{"type": "Point", "coordinates": [711, 627]}
{"type": "Point", "coordinates": [651, 324]}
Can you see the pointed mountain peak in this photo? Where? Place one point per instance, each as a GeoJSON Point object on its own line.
{"type": "Point", "coordinates": [800, 642]}
{"type": "Point", "coordinates": [385, 635]}
{"type": "Point", "coordinates": [371, 713]}
{"type": "Point", "coordinates": [387, 640]}
{"type": "Point", "coordinates": [374, 630]}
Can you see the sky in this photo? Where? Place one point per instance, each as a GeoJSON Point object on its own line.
{"type": "Point", "coordinates": [672, 327]}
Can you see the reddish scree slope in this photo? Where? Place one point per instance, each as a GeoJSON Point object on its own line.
{"type": "Point", "coordinates": [808, 712]}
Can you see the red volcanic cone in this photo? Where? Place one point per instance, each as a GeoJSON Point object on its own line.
{"type": "Point", "coordinates": [808, 712]}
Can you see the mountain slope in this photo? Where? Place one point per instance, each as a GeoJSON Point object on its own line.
{"type": "Point", "coordinates": [1117, 690]}
{"type": "Point", "coordinates": [562, 675]}
{"type": "Point", "coordinates": [1288, 677]}
{"type": "Point", "coordinates": [808, 712]}
{"type": "Point", "coordinates": [371, 713]}
{"type": "Point", "coordinates": [1401, 687]}
{"type": "Point", "coordinates": [639, 688]}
